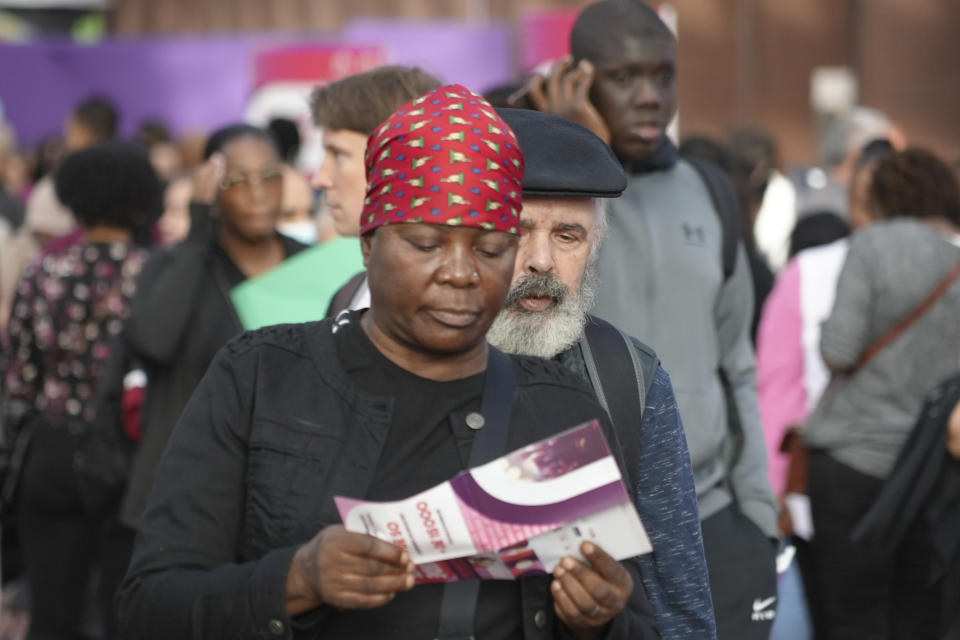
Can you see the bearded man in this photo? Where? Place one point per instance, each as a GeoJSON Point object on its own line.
{"type": "Point", "coordinates": [547, 314]}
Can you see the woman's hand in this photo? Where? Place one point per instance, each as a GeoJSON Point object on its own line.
{"type": "Point", "coordinates": [207, 178]}
{"type": "Point", "coordinates": [348, 571]}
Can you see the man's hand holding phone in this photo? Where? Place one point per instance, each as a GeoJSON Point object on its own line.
{"type": "Point", "coordinates": [566, 92]}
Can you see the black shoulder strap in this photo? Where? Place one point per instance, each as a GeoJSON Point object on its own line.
{"type": "Point", "coordinates": [620, 380]}
{"type": "Point", "coordinates": [459, 604]}
{"type": "Point", "coordinates": [727, 206]}
{"type": "Point", "coordinates": [496, 408]}
{"type": "Point", "coordinates": [341, 299]}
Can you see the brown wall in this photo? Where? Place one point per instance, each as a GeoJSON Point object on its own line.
{"type": "Point", "coordinates": [750, 61]}
{"type": "Point", "coordinates": [910, 66]}
{"type": "Point", "coordinates": [153, 16]}
{"type": "Point", "coordinates": [742, 62]}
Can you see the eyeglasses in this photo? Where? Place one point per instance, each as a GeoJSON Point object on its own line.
{"type": "Point", "coordinates": [247, 180]}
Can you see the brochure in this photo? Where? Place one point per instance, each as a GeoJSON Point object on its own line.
{"type": "Point", "coordinates": [515, 516]}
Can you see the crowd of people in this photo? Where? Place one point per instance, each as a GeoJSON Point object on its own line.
{"type": "Point", "coordinates": [775, 365]}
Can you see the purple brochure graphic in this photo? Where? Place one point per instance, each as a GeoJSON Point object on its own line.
{"type": "Point", "coordinates": [516, 515]}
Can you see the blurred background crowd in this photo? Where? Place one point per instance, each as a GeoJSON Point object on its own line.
{"type": "Point", "coordinates": [779, 85]}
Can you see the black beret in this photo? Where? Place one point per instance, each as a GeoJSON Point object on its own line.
{"type": "Point", "coordinates": [564, 158]}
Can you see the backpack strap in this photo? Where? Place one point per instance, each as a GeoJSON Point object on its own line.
{"type": "Point", "coordinates": [341, 299]}
{"type": "Point", "coordinates": [621, 376]}
{"type": "Point", "coordinates": [727, 206]}
{"type": "Point", "coordinates": [458, 604]}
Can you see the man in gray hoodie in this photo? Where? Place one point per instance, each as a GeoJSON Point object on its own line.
{"type": "Point", "coordinates": [663, 279]}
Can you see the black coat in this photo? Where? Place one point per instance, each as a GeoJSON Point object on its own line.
{"type": "Point", "coordinates": [275, 430]}
{"type": "Point", "coordinates": [180, 317]}
{"type": "Point", "coordinates": [925, 486]}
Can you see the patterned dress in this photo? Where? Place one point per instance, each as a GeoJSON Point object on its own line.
{"type": "Point", "coordinates": [69, 306]}
{"type": "Point", "coordinates": [67, 309]}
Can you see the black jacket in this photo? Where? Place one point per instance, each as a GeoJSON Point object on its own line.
{"type": "Point", "coordinates": [924, 487]}
{"type": "Point", "coordinates": [275, 430]}
{"type": "Point", "coordinates": [180, 317]}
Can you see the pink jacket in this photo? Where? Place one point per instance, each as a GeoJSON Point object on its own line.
{"type": "Point", "coordinates": [791, 375]}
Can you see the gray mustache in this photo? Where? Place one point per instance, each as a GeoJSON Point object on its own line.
{"type": "Point", "coordinates": [546, 285]}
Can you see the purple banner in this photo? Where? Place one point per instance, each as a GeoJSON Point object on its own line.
{"type": "Point", "coordinates": [477, 56]}
{"type": "Point", "coordinates": [194, 83]}
{"type": "Point", "coordinates": [188, 83]}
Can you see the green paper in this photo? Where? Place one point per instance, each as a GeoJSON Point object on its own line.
{"type": "Point", "coordinates": [299, 289]}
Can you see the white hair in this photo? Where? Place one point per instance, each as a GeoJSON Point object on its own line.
{"type": "Point", "coordinates": [862, 125]}
{"type": "Point", "coordinates": [599, 227]}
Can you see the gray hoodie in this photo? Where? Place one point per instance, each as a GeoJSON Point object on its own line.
{"type": "Point", "coordinates": [661, 274]}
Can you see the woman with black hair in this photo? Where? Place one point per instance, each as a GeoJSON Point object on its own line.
{"type": "Point", "coordinates": [183, 312]}
{"type": "Point", "coordinates": [69, 308]}
{"type": "Point", "coordinates": [893, 335]}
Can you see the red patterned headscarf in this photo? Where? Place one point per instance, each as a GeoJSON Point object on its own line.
{"type": "Point", "coordinates": [444, 158]}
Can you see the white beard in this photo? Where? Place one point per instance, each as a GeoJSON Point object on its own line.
{"type": "Point", "coordinates": [545, 333]}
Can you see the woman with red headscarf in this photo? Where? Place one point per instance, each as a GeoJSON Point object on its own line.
{"type": "Point", "coordinates": [241, 537]}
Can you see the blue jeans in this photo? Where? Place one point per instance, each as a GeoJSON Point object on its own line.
{"type": "Point", "coordinates": [793, 620]}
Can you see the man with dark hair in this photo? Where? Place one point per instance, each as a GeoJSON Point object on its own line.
{"type": "Point", "coordinates": [361, 102]}
{"type": "Point", "coordinates": [93, 120]}
{"type": "Point", "coordinates": [665, 279]}
{"type": "Point", "coordinates": [287, 136]}
{"type": "Point", "coordinates": [152, 131]}
{"type": "Point", "coordinates": [547, 314]}
{"type": "Point", "coordinates": [348, 111]}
